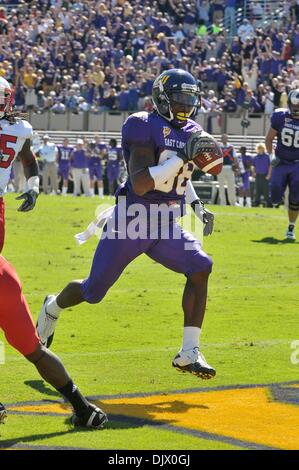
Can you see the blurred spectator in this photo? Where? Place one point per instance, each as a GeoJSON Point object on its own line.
{"type": "Point", "coordinates": [245, 30]}
{"type": "Point", "coordinates": [245, 163]}
{"type": "Point", "coordinates": [102, 55]}
{"type": "Point", "coordinates": [230, 105]}
{"type": "Point", "coordinates": [48, 154]}
{"type": "Point", "coordinates": [227, 175]}
{"type": "Point", "coordinates": [80, 170]}
{"type": "Point", "coordinates": [262, 174]}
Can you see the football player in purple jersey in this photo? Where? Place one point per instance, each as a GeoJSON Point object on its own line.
{"type": "Point", "coordinates": [113, 156]}
{"type": "Point", "coordinates": [285, 160]}
{"type": "Point", "coordinates": [159, 149]}
{"type": "Point", "coordinates": [95, 155]}
{"type": "Point", "coordinates": [64, 163]}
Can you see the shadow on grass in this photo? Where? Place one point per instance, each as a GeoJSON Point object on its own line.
{"type": "Point", "coordinates": [275, 241]}
{"type": "Point", "coordinates": [121, 416]}
{"type": "Point", "coordinates": [36, 438]}
{"type": "Point", "coordinates": [42, 387]}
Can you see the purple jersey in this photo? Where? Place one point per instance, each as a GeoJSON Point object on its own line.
{"type": "Point", "coordinates": [287, 128]}
{"type": "Point", "coordinates": [261, 163]}
{"type": "Point", "coordinates": [64, 154]}
{"type": "Point", "coordinates": [95, 161]}
{"type": "Point", "coordinates": [247, 162]}
{"type": "Point", "coordinates": [114, 155]}
{"type": "Point", "coordinates": [95, 158]}
{"type": "Point", "coordinates": [79, 159]}
{"type": "Point", "coordinates": [150, 129]}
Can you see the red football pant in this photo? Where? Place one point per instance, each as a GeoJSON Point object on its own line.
{"type": "Point", "coordinates": [2, 223]}
{"type": "Point", "coordinates": [15, 317]}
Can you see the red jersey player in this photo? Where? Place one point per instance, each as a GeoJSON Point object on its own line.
{"type": "Point", "coordinates": [17, 323]}
{"type": "Point", "coordinates": [15, 139]}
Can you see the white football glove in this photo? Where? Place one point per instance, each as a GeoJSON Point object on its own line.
{"type": "Point", "coordinates": [206, 217]}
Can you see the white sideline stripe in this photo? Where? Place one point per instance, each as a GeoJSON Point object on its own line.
{"type": "Point", "coordinates": [165, 349]}
{"type": "Point", "coordinates": [206, 168]}
{"type": "Point", "coordinates": [248, 214]}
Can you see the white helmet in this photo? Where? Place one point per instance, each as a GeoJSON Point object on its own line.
{"type": "Point", "coordinates": [6, 97]}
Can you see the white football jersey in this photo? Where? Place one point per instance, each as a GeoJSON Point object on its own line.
{"type": "Point", "coordinates": [12, 138]}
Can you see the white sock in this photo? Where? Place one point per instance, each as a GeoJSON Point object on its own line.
{"type": "Point", "coordinates": [64, 190]}
{"type": "Point", "coordinates": [53, 308]}
{"type": "Point", "coordinates": [248, 201]}
{"type": "Point", "coordinates": [101, 192]}
{"type": "Point", "coordinates": [241, 201]}
{"type": "Point", "coordinates": [191, 337]}
{"type": "Point", "coordinates": [92, 191]}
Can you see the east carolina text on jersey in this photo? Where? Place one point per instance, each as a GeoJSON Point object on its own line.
{"type": "Point", "coordinates": [148, 129]}
{"type": "Point", "coordinates": [12, 139]}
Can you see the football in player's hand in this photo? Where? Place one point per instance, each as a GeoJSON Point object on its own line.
{"type": "Point", "coordinates": [209, 157]}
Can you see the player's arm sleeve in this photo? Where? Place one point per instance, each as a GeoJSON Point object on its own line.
{"type": "Point", "coordinates": [275, 121]}
{"type": "Point", "coordinates": [137, 139]}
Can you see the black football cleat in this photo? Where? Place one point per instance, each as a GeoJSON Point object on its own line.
{"type": "Point", "coordinates": [93, 418]}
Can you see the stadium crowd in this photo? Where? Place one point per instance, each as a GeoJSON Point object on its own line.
{"type": "Point", "coordinates": [67, 55]}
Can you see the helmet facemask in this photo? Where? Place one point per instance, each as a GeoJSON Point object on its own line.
{"type": "Point", "coordinates": [6, 100]}
{"type": "Point", "coordinates": [187, 104]}
{"type": "Point", "coordinates": [293, 103]}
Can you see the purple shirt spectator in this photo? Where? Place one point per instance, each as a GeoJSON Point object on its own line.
{"type": "Point", "coordinates": [79, 159]}
{"type": "Point", "coordinates": [261, 163]}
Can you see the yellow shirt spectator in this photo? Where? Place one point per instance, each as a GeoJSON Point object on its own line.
{"type": "Point", "coordinates": [29, 79]}
{"type": "Point", "coordinates": [97, 76]}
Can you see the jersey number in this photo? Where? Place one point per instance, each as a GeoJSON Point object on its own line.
{"type": "Point", "coordinates": [7, 154]}
{"type": "Point", "coordinates": [179, 182]}
{"type": "Point", "coordinates": [290, 137]}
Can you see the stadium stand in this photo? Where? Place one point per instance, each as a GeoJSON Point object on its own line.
{"type": "Point", "coordinates": [77, 65]}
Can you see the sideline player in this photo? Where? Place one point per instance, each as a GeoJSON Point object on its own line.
{"type": "Point", "coordinates": [158, 148]}
{"type": "Point", "coordinates": [245, 162]}
{"type": "Point", "coordinates": [17, 323]}
{"type": "Point", "coordinates": [15, 140]}
{"type": "Point", "coordinates": [285, 160]}
{"type": "Point", "coordinates": [95, 155]}
{"type": "Point", "coordinates": [64, 163]}
{"type": "Point", "coordinates": [114, 156]}
{"type": "Point", "coordinates": [227, 175]}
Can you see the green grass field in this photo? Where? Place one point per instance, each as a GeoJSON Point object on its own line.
{"type": "Point", "coordinates": [125, 344]}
